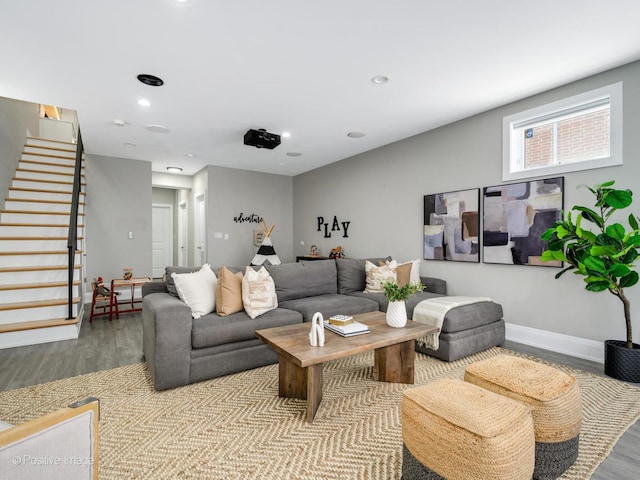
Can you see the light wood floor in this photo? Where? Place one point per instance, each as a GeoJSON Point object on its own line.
{"type": "Point", "coordinates": [103, 345]}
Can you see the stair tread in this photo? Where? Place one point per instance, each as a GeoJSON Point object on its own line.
{"type": "Point", "coordinates": [37, 200]}
{"type": "Point", "coordinates": [27, 286]}
{"type": "Point", "coordinates": [47, 172]}
{"type": "Point", "coordinates": [37, 212]}
{"type": "Point", "coordinates": [71, 157]}
{"type": "Point", "coordinates": [19, 326]}
{"type": "Point", "coordinates": [39, 252]}
{"type": "Point", "coordinates": [51, 148]}
{"type": "Point", "coordinates": [40, 190]}
{"type": "Point", "coordinates": [37, 268]}
{"type": "Point", "coordinates": [57, 182]}
{"type": "Point", "coordinates": [21, 224]}
{"type": "Point", "coordinates": [36, 304]}
{"type": "Point", "coordinates": [50, 141]}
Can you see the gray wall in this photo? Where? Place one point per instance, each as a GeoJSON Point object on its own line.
{"type": "Point", "coordinates": [118, 201]}
{"type": "Point", "coordinates": [231, 192]}
{"type": "Point", "coordinates": [17, 120]}
{"type": "Point", "coordinates": [381, 193]}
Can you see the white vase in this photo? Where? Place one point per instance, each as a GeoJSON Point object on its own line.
{"type": "Point", "coordinates": [397, 314]}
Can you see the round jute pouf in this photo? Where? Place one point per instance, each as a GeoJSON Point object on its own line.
{"type": "Point", "coordinates": [455, 430]}
{"type": "Point", "coordinates": [554, 398]}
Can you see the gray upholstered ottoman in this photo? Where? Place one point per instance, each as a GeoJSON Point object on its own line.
{"type": "Point", "coordinates": [468, 329]}
{"type": "Point", "coordinates": [455, 430]}
{"type": "Point", "coordinates": [554, 398]}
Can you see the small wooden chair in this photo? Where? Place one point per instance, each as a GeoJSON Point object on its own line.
{"type": "Point", "coordinates": [99, 301]}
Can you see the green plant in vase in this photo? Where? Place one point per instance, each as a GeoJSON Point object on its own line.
{"type": "Point", "coordinates": [396, 294]}
{"type": "Point", "coordinates": [605, 257]}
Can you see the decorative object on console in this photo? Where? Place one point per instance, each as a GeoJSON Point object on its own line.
{"type": "Point", "coordinates": [266, 252]}
{"type": "Point", "coordinates": [397, 310]}
{"type": "Point", "coordinates": [313, 252]}
{"type": "Point", "coordinates": [337, 252]}
{"type": "Point", "coordinates": [127, 273]}
{"type": "Point", "coordinates": [515, 217]}
{"type": "Point", "coordinates": [451, 225]}
{"type": "Point", "coordinates": [316, 335]}
{"type": "Point", "coordinates": [606, 259]}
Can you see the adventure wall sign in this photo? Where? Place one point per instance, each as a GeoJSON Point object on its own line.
{"type": "Point", "coordinates": [335, 227]}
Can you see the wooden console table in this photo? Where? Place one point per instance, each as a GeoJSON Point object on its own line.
{"type": "Point", "coordinates": [115, 304]}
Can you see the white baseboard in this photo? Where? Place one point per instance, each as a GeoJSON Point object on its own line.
{"type": "Point", "coordinates": [556, 342]}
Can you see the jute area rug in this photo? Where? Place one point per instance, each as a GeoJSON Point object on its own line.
{"type": "Point", "coordinates": [236, 427]}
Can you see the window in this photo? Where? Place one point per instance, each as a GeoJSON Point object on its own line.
{"type": "Point", "coordinates": [577, 133]}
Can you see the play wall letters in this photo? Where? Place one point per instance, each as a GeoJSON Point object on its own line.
{"type": "Point", "coordinates": [335, 227]}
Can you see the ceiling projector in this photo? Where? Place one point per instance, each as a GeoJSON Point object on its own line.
{"type": "Point", "coordinates": [261, 139]}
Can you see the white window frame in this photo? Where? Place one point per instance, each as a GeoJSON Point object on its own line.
{"type": "Point", "coordinates": [513, 142]}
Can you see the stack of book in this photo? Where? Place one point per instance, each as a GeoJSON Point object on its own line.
{"type": "Point", "coordinates": [345, 325]}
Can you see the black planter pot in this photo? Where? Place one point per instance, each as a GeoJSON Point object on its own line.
{"type": "Point", "coordinates": [621, 362]}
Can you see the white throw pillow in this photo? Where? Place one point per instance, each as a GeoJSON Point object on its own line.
{"type": "Point", "coordinates": [376, 276]}
{"type": "Point", "coordinates": [197, 289]}
{"type": "Point", "coordinates": [258, 292]}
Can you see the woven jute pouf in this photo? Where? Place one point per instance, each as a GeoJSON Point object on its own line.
{"type": "Point", "coordinates": [554, 398]}
{"type": "Point", "coordinates": [455, 430]}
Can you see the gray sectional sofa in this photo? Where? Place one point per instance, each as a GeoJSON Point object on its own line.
{"type": "Point", "coordinates": [180, 349]}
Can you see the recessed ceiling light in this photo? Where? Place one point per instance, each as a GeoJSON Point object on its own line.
{"type": "Point", "coordinates": [144, 102]}
{"type": "Point", "coordinates": [356, 134]}
{"type": "Point", "coordinates": [119, 123]}
{"type": "Point", "coordinates": [174, 170]}
{"type": "Point", "coordinates": [285, 135]}
{"type": "Point", "coordinates": [157, 128]}
{"type": "Point", "coordinates": [150, 80]}
{"type": "Point", "coordinates": [129, 144]}
{"type": "Point", "coordinates": [379, 79]}
{"type": "Point", "coordinates": [293, 154]}
{"type": "Point", "coordinates": [189, 155]}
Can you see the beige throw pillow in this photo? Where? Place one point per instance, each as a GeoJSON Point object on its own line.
{"type": "Point", "coordinates": [197, 290]}
{"type": "Point", "coordinates": [229, 292]}
{"type": "Point", "coordinates": [376, 276]}
{"type": "Point", "coordinates": [258, 292]}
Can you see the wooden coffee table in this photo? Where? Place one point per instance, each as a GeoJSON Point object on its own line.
{"type": "Point", "coordinates": [300, 364]}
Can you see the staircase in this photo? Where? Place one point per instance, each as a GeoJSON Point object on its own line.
{"type": "Point", "coordinates": [33, 248]}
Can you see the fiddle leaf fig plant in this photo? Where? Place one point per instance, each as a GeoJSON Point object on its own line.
{"type": "Point", "coordinates": [604, 257]}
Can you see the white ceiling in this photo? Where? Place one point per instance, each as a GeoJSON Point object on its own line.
{"type": "Point", "coordinates": [298, 66]}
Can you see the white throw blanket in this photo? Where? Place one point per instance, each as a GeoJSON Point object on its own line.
{"type": "Point", "coordinates": [432, 312]}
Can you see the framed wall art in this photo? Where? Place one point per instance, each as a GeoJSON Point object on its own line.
{"type": "Point", "coordinates": [514, 218]}
{"type": "Point", "coordinates": [451, 226]}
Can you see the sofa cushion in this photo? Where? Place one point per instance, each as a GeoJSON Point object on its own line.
{"type": "Point", "coordinates": [258, 292]}
{"type": "Point", "coordinates": [229, 292]}
{"type": "Point", "coordinates": [330, 304]}
{"type": "Point", "coordinates": [304, 279]}
{"type": "Point", "coordinates": [351, 275]}
{"type": "Point", "coordinates": [457, 319]}
{"type": "Point", "coordinates": [211, 330]}
{"type": "Point", "coordinates": [197, 289]}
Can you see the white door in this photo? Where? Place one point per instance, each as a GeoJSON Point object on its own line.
{"type": "Point", "coordinates": [161, 238]}
{"type": "Point", "coordinates": [200, 231]}
{"type": "Point", "coordinates": [183, 224]}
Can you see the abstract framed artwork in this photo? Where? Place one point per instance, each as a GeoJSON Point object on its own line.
{"type": "Point", "coordinates": [451, 226]}
{"type": "Point", "coordinates": [514, 218]}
